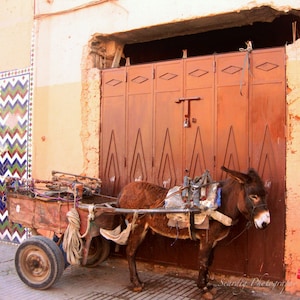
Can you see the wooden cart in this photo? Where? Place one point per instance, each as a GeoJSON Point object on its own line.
{"type": "Point", "coordinates": [42, 207]}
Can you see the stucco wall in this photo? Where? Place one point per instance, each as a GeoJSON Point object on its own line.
{"type": "Point", "coordinates": [56, 131]}
{"type": "Point", "coordinates": [57, 105]}
{"type": "Point", "coordinates": [132, 14]}
{"type": "Point", "coordinates": [292, 246]}
{"type": "Point", "coordinates": [60, 64]}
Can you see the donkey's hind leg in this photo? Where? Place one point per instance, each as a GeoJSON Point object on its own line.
{"type": "Point", "coordinates": [135, 239]}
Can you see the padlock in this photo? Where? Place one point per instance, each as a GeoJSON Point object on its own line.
{"type": "Point", "coordinates": [186, 123]}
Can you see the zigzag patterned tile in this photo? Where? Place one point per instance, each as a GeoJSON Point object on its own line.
{"type": "Point", "coordinates": [15, 237]}
{"type": "Point", "coordinates": [15, 139]}
{"type": "Point", "coordinates": [3, 216]}
{"type": "Point", "coordinates": [17, 108]}
{"type": "Point", "coordinates": [10, 90]}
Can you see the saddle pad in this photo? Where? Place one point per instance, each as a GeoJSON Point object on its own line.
{"type": "Point", "coordinates": [183, 221]}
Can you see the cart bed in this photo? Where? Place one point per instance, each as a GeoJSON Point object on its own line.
{"type": "Point", "coordinates": [49, 214]}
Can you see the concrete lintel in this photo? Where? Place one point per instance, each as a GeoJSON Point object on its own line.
{"type": "Point", "coordinates": [197, 25]}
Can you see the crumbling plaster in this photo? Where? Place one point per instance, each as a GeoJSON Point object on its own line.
{"type": "Point", "coordinates": [292, 243]}
{"type": "Point", "coordinates": [90, 111]}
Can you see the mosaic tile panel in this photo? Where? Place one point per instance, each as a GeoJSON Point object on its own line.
{"type": "Point", "coordinates": [15, 140]}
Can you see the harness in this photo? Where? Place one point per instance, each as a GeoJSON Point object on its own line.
{"type": "Point", "coordinates": [202, 196]}
{"type": "Point", "coordinates": [254, 207]}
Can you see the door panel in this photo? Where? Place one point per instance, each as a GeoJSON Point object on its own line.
{"type": "Point", "coordinates": [199, 137]}
{"type": "Point", "coordinates": [267, 140]}
{"type": "Point", "coordinates": [168, 124]}
{"type": "Point", "coordinates": [232, 112]}
{"type": "Point", "coordinates": [232, 147]}
{"type": "Point", "coordinates": [139, 123]}
{"type": "Point", "coordinates": [113, 131]}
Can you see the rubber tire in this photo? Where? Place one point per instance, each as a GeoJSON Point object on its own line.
{"type": "Point", "coordinates": [39, 262]}
{"type": "Point", "coordinates": [98, 252]}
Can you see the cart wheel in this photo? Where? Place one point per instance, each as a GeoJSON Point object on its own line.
{"type": "Point", "coordinates": [39, 262]}
{"type": "Point", "coordinates": [98, 251]}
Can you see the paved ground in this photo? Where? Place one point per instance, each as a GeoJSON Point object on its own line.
{"type": "Point", "coordinates": [110, 281]}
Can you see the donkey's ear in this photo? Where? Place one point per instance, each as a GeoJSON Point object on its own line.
{"type": "Point", "coordinates": [240, 177]}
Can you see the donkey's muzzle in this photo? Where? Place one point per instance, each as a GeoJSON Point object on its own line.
{"type": "Point", "coordinates": [262, 220]}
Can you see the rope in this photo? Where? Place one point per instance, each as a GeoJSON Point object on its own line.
{"type": "Point", "coordinates": [177, 234]}
{"type": "Point", "coordinates": [134, 218]}
{"type": "Point", "coordinates": [72, 243]}
{"type": "Point", "coordinates": [248, 225]}
{"type": "Point", "coordinates": [91, 217]}
{"type": "Point", "coordinates": [189, 226]}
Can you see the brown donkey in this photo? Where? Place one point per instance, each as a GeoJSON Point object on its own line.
{"type": "Point", "coordinates": [241, 194]}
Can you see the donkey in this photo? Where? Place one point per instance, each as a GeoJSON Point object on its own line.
{"type": "Point", "coordinates": [241, 194]}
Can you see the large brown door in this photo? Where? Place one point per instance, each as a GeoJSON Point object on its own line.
{"type": "Point", "coordinates": [163, 119]}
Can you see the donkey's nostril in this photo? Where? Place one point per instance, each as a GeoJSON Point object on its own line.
{"type": "Point", "coordinates": [264, 225]}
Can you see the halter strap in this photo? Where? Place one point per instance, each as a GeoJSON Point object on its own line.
{"type": "Point", "coordinates": [254, 207]}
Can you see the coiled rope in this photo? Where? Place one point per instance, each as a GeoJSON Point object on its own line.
{"type": "Point", "coordinates": [72, 243]}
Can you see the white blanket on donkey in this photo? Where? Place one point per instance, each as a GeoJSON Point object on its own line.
{"type": "Point", "coordinates": [182, 220]}
{"type": "Point", "coordinates": [116, 235]}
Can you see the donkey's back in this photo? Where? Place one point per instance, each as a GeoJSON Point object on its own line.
{"type": "Point", "coordinates": [142, 194]}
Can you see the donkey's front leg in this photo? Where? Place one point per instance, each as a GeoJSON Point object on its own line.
{"type": "Point", "coordinates": [204, 256]}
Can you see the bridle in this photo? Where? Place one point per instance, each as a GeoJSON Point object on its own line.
{"type": "Point", "coordinates": [250, 222]}
{"type": "Point", "coordinates": [254, 207]}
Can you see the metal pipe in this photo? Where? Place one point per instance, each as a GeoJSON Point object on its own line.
{"type": "Point", "coordinates": [142, 211]}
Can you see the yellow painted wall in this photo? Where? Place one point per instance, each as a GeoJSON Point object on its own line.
{"type": "Point", "coordinates": [16, 18]}
{"type": "Point", "coordinates": [56, 132]}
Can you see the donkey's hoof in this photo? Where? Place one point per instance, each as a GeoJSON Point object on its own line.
{"type": "Point", "coordinates": [138, 288]}
{"type": "Point", "coordinates": [213, 290]}
{"type": "Point", "coordinates": [207, 295]}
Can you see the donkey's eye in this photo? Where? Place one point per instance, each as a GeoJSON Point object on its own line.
{"type": "Point", "coordinates": [254, 198]}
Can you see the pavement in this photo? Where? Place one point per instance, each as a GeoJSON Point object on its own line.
{"type": "Point", "coordinates": [110, 281]}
